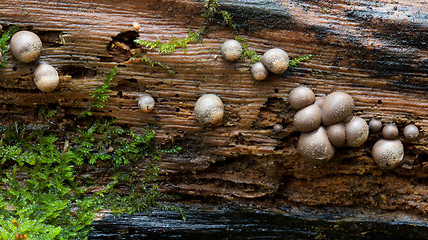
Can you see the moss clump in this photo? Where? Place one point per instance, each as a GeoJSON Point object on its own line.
{"type": "Point", "coordinates": [4, 45]}
{"type": "Point", "coordinates": [42, 184]}
{"type": "Point", "coordinates": [44, 194]}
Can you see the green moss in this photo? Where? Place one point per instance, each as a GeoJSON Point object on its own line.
{"type": "Point", "coordinates": [297, 60]}
{"type": "Point", "coordinates": [41, 176]}
{"type": "Point", "coordinates": [246, 53]}
{"type": "Point", "coordinates": [41, 184]}
{"type": "Point", "coordinates": [100, 94]}
{"type": "Point", "coordinates": [4, 43]}
{"type": "Point", "coordinates": [193, 37]}
{"type": "Point", "coordinates": [172, 44]}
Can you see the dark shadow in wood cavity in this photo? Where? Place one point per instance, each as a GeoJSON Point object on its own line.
{"type": "Point", "coordinates": [120, 47]}
{"type": "Point", "coordinates": [78, 71]}
{"type": "Point", "coordinates": [50, 38]}
{"type": "Point", "coordinates": [274, 111]}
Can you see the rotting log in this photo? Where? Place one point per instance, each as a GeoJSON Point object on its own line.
{"type": "Point", "coordinates": [375, 51]}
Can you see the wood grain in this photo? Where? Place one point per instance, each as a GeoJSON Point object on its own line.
{"type": "Point", "coordinates": [375, 51]}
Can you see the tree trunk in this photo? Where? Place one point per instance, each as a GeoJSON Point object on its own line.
{"type": "Point", "coordinates": [375, 51]}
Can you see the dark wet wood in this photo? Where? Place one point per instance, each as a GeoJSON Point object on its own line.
{"type": "Point", "coordinates": [375, 51]}
{"type": "Point", "coordinates": [222, 222]}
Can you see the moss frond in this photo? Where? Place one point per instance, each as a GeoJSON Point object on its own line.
{"type": "Point", "coordinates": [100, 94]}
{"type": "Point", "coordinates": [297, 60]}
{"type": "Point", "coordinates": [4, 46]}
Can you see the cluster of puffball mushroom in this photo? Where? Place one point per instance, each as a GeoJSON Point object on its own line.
{"type": "Point", "coordinates": [388, 152]}
{"type": "Point", "coordinates": [26, 47]}
{"type": "Point", "coordinates": [328, 123]}
{"type": "Point", "coordinates": [274, 60]}
{"type": "Point", "coordinates": [325, 124]}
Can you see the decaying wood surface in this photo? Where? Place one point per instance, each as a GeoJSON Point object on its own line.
{"type": "Point", "coordinates": [375, 51]}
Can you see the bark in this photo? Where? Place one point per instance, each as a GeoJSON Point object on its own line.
{"type": "Point", "coordinates": [375, 51]}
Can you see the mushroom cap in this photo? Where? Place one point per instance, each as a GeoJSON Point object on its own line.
{"type": "Point", "coordinates": [231, 50]}
{"type": "Point", "coordinates": [375, 125]}
{"type": "Point", "coordinates": [259, 72]}
{"type": "Point", "coordinates": [301, 97]}
{"type": "Point", "coordinates": [336, 107]}
{"type": "Point", "coordinates": [307, 119]}
{"type": "Point", "coordinates": [277, 128]}
{"type": "Point", "coordinates": [25, 46]}
{"type": "Point", "coordinates": [315, 146]}
{"type": "Point", "coordinates": [390, 131]}
{"type": "Point", "coordinates": [336, 134]}
{"type": "Point", "coordinates": [209, 109]}
{"type": "Point", "coordinates": [388, 154]}
{"type": "Point", "coordinates": [45, 77]}
{"type": "Point", "coordinates": [275, 60]}
{"type": "Point", "coordinates": [146, 103]}
{"type": "Point", "coordinates": [357, 132]}
{"type": "Point", "coordinates": [411, 132]}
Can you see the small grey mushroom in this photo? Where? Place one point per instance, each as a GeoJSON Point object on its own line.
{"type": "Point", "coordinates": [357, 132]}
{"type": "Point", "coordinates": [337, 134]}
{"type": "Point", "coordinates": [307, 119]}
{"type": "Point", "coordinates": [209, 109]}
{"type": "Point", "coordinates": [315, 146]}
{"type": "Point", "coordinates": [336, 108]}
{"type": "Point", "coordinates": [388, 154]}
{"type": "Point", "coordinates": [411, 132]}
{"type": "Point", "coordinates": [277, 128]}
{"type": "Point", "coordinates": [301, 97]}
{"type": "Point", "coordinates": [25, 46]}
{"type": "Point", "coordinates": [390, 131]}
{"type": "Point", "coordinates": [275, 60]}
{"type": "Point", "coordinates": [146, 103]}
{"type": "Point", "coordinates": [231, 50]}
{"type": "Point", "coordinates": [259, 72]}
{"type": "Point", "coordinates": [375, 125]}
{"type": "Point", "coordinates": [46, 77]}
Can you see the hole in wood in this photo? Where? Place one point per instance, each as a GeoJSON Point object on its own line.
{"type": "Point", "coordinates": [78, 71]}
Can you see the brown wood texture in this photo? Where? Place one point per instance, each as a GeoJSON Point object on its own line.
{"type": "Point", "coordinates": [375, 51]}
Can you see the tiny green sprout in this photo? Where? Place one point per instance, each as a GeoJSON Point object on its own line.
{"type": "Point", "coordinates": [100, 95]}
{"type": "Point", "coordinates": [49, 114]}
{"type": "Point", "coordinates": [295, 61]}
{"type": "Point", "coordinates": [246, 53]}
{"type": "Point", "coordinates": [227, 21]}
{"type": "Point", "coordinates": [172, 44]}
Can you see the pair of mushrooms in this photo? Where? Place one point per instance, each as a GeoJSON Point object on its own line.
{"type": "Point", "coordinates": [325, 124]}
{"type": "Point", "coordinates": [26, 47]}
{"type": "Point", "coordinates": [209, 108]}
{"type": "Point", "coordinates": [388, 152]}
{"type": "Point", "coordinates": [274, 60]}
